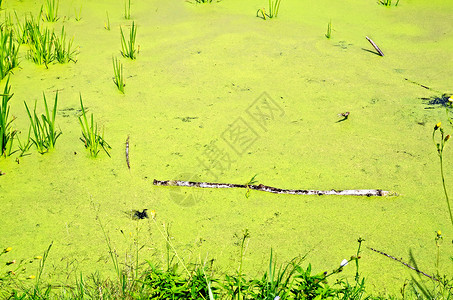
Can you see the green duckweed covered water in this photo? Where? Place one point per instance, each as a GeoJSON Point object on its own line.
{"type": "Point", "coordinates": [200, 69]}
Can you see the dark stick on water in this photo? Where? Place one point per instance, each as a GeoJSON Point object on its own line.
{"type": "Point", "coordinates": [127, 153]}
{"type": "Point", "coordinates": [274, 190]}
{"type": "Point", "coordinates": [402, 262]}
{"type": "Point", "coordinates": [375, 46]}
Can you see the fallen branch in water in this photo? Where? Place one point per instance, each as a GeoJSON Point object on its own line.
{"type": "Point", "coordinates": [375, 46]}
{"type": "Point", "coordinates": [265, 188]}
{"type": "Point", "coordinates": [400, 260]}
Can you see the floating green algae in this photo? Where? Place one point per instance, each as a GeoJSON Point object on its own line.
{"type": "Point", "coordinates": [208, 65]}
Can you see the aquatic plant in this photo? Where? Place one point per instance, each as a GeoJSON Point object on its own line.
{"type": "Point", "coordinates": [127, 9]}
{"type": "Point", "coordinates": [9, 48]}
{"type": "Point", "coordinates": [388, 2]}
{"type": "Point", "coordinates": [63, 52]}
{"type": "Point", "coordinates": [45, 133]}
{"type": "Point", "coordinates": [6, 132]}
{"type": "Point", "coordinates": [329, 30]}
{"type": "Point", "coordinates": [78, 14]}
{"type": "Point", "coordinates": [107, 25]}
{"type": "Point", "coordinates": [118, 72]}
{"type": "Point", "coordinates": [50, 14]}
{"type": "Point", "coordinates": [272, 12]}
{"type": "Point", "coordinates": [128, 48]}
{"type": "Point", "coordinates": [90, 135]}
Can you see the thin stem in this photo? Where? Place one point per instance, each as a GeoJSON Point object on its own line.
{"type": "Point", "coordinates": [445, 188]}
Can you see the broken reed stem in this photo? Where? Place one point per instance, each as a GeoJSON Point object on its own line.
{"type": "Point", "coordinates": [375, 46]}
{"type": "Point", "coordinates": [127, 153]}
{"type": "Point", "coordinates": [402, 262]}
{"type": "Point", "coordinates": [274, 190]}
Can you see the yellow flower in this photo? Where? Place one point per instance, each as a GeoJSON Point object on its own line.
{"type": "Point", "coordinates": [38, 257]}
{"type": "Point", "coordinates": [437, 125]}
{"type": "Point", "coordinates": [153, 214]}
{"type": "Point", "coordinates": [7, 249]}
{"type": "Point", "coordinates": [31, 277]}
{"type": "Point", "coordinates": [450, 99]}
{"type": "Point", "coordinates": [439, 233]}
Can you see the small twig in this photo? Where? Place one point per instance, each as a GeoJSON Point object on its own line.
{"type": "Point", "coordinates": [375, 46]}
{"type": "Point", "coordinates": [127, 153]}
{"type": "Point", "coordinates": [274, 190]}
{"type": "Point", "coordinates": [402, 262]}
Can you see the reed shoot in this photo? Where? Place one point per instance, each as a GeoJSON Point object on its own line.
{"type": "Point", "coordinates": [6, 132]}
{"type": "Point", "coordinates": [90, 135]}
{"type": "Point", "coordinates": [107, 25]}
{"type": "Point", "coordinates": [128, 47]}
{"type": "Point", "coordinates": [127, 9]}
{"type": "Point", "coordinates": [45, 134]}
{"type": "Point", "coordinates": [118, 72]}
{"type": "Point", "coordinates": [78, 14]}
{"type": "Point", "coordinates": [273, 8]}
{"type": "Point", "coordinates": [329, 30]}
{"type": "Point", "coordinates": [63, 52]}
{"type": "Point", "coordinates": [51, 10]}
{"type": "Point", "coordinates": [9, 49]}
{"type": "Point", "coordinates": [388, 2]}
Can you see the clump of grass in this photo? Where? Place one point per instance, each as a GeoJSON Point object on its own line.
{"type": "Point", "coordinates": [329, 30]}
{"type": "Point", "coordinates": [50, 14]}
{"type": "Point", "coordinates": [6, 132]}
{"type": "Point", "coordinates": [46, 46]}
{"type": "Point", "coordinates": [45, 134]}
{"type": "Point", "coordinates": [127, 9]}
{"type": "Point", "coordinates": [9, 48]}
{"type": "Point", "coordinates": [128, 47]}
{"type": "Point", "coordinates": [388, 2]}
{"type": "Point", "coordinates": [63, 51]}
{"type": "Point", "coordinates": [118, 72]}
{"type": "Point", "coordinates": [90, 135]}
{"type": "Point", "coordinates": [272, 12]}
{"type": "Point", "coordinates": [107, 25]}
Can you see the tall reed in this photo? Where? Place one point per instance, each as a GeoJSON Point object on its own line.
{"type": "Point", "coordinates": [118, 72]}
{"type": "Point", "coordinates": [50, 14]}
{"type": "Point", "coordinates": [45, 134]}
{"type": "Point", "coordinates": [6, 132]}
{"type": "Point", "coordinates": [90, 135]}
{"type": "Point", "coordinates": [9, 48]}
{"type": "Point", "coordinates": [128, 47]}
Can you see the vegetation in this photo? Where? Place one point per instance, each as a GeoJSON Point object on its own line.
{"type": "Point", "coordinates": [127, 9]}
{"type": "Point", "coordinates": [44, 45]}
{"type": "Point", "coordinates": [118, 72]}
{"type": "Point", "coordinates": [6, 132]}
{"type": "Point", "coordinates": [50, 12]}
{"type": "Point", "coordinates": [329, 31]}
{"type": "Point", "coordinates": [107, 25]}
{"type": "Point", "coordinates": [128, 47]}
{"type": "Point", "coordinates": [44, 134]}
{"type": "Point", "coordinates": [9, 48]}
{"type": "Point", "coordinates": [90, 135]}
{"type": "Point", "coordinates": [388, 2]}
{"type": "Point", "coordinates": [272, 11]}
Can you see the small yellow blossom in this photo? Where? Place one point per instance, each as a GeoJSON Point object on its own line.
{"type": "Point", "coordinates": [38, 257]}
{"type": "Point", "coordinates": [439, 233]}
{"type": "Point", "coordinates": [8, 249]}
{"type": "Point", "coordinates": [450, 99]}
{"type": "Point", "coordinates": [437, 125]}
{"type": "Point", "coordinates": [153, 214]}
{"type": "Point", "coordinates": [31, 277]}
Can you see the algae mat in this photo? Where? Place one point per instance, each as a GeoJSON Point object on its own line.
{"type": "Point", "coordinates": [195, 85]}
